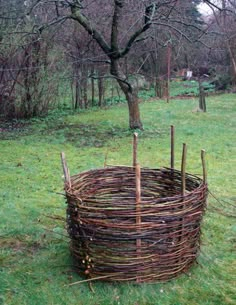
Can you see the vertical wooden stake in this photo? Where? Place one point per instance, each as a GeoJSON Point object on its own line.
{"type": "Point", "coordinates": [203, 154]}
{"type": "Point", "coordinates": [138, 192]}
{"type": "Point", "coordinates": [183, 185]}
{"type": "Point", "coordinates": [135, 147]}
{"type": "Point", "coordinates": [65, 169]}
{"type": "Point", "coordinates": [172, 147]}
{"type": "Point", "coordinates": [183, 170]}
{"type": "Point", "coordinates": [138, 208]}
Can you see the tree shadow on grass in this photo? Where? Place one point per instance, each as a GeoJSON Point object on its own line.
{"type": "Point", "coordinates": [77, 134]}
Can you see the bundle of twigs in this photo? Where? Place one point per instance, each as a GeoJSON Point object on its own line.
{"type": "Point", "coordinates": [115, 237]}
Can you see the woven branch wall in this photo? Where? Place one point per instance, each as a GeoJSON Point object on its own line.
{"type": "Point", "coordinates": [113, 238]}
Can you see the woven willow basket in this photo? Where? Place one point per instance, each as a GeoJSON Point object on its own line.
{"type": "Point", "coordinates": [135, 224]}
{"type": "Point", "coordinates": [113, 240]}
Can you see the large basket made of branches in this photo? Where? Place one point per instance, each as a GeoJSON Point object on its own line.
{"type": "Point", "coordinates": [132, 224]}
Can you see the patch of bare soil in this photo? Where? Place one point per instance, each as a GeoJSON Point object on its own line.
{"type": "Point", "coordinates": [12, 129]}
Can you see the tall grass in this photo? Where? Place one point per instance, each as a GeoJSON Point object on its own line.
{"type": "Point", "coordinates": [35, 263]}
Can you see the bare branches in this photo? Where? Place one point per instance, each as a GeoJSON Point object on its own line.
{"type": "Point", "coordinates": [233, 4]}
{"type": "Point", "coordinates": [78, 16]}
{"type": "Point", "coordinates": [114, 27]}
{"type": "Point", "coordinates": [32, 7]}
{"type": "Point", "coordinates": [211, 4]}
{"type": "Point", "coordinates": [149, 14]}
{"type": "Point", "coordinates": [148, 21]}
{"type": "Point", "coordinates": [53, 22]}
{"type": "Point", "coordinates": [131, 41]}
{"type": "Point", "coordinates": [98, 61]}
{"type": "Point", "coordinates": [174, 29]}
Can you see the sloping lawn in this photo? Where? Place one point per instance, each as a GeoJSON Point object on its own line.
{"type": "Point", "coordinates": [35, 263]}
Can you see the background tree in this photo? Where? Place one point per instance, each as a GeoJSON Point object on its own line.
{"type": "Point", "coordinates": [221, 41]}
{"type": "Point", "coordinates": [88, 41]}
{"type": "Point", "coordinates": [28, 87]}
{"type": "Point", "coordinates": [118, 25]}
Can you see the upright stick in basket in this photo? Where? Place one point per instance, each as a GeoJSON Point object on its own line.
{"type": "Point", "coordinates": [172, 146]}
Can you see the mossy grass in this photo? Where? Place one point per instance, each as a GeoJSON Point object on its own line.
{"type": "Point", "coordinates": [35, 263]}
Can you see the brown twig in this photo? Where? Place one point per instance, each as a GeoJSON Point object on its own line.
{"type": "Point", "coordinates": [172, 146]}
{"type": "Point", "coordinates": [135, 148]}
{"type": "Point", "coordinates": [203, 154]}
{"type": "Point", "coordinates": [138, 209]}
{"type": "Point", "coordinates": [183, 170]}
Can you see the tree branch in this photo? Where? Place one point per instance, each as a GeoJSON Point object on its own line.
{"type": "Point", "coordinates": [173, 28]}
{"type": "Point", "coordinates": [212, 4]}
{"type": "Point", "coordinates": [53, 22]}
{"type": "Point", "coordinates": [114, 28]}
{"type": "Point", "coordinates": [33, 6]}
{"type": "Point", "coordinates": [112, 77]}
{"type": "Point", "coordinates": [99, 61]}
{"type": "Point", "coordinates": [79, 17]}
{"type": "Point", "coordinates": [148, 18]}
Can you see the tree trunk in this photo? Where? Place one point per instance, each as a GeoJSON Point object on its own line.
{"type": "Point", "coordinates": [202, 99]}
{"type": "Point", "coordinates": [134, 114]}
{"type": "Point", "coordinates": [92, 88]}
{"type": "Point", "coordinates": [232, 60]}
{"type": "Point", "coordinates": [133, 105]}
{"type": "Point", "coordinates": [72, 95]}
{"type": "Point", "coordinates": [160, 87]}
{"type": "Point", "coordinates": [131, 96]}
{"type": "Point", "coordinates": [84, 86]}
{"type": "Point", "coordinates": [85, 93]}
{"type": "Point", "coordinates": [100, 91]}
{"type": "Point", "coordinates": [168, 72]}
{"type": "Point", "coordinates": [77, 94]}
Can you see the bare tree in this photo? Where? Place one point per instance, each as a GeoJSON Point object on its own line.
{"type": "Point", "coordinates": [115, 52]}
{"type": "Point", "coordinates": [222, 23]}
{"type": "Point", "coordinates": [119, 25]}
{"type": "Point", "coordinates": [125, 31]}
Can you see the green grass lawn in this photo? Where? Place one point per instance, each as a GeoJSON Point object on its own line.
{"type": "Point", "coordinates": [35, 263]}
{"type": "Point", "coordinates": [189, 88]}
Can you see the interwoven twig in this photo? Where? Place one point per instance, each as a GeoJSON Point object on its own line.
{"type": "Point", "coordinates": [102, 223]}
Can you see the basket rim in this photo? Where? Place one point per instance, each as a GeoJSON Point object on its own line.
{"type": "Point", "coordinates": [161, 200]}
